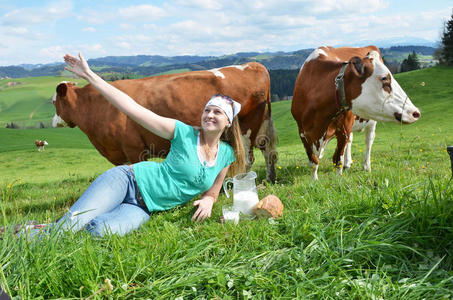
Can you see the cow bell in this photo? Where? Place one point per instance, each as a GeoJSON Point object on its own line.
{"type": "Point", "coordinates": [450, 151]}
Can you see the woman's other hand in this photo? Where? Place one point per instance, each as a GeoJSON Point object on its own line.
{"type": "Point", "coordinates": [78, 66]}
{"type": "Point", "coordinates": [204, 208]}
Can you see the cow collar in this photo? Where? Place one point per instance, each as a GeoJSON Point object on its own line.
{"type": "Point", "coordinates": [339, 90]}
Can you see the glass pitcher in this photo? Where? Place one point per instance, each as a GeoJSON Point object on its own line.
{"type": "Point", "coordinates": [245, 196]}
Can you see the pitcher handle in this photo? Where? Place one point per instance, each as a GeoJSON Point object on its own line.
{"type": "Point", "coordinates": [225, 186]}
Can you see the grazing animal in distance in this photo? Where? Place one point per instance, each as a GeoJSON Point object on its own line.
{"type": "Point", "coordinates": [180, 96]}
{"type": "Point", "coordinates": [334, 86]}
{"type": "Point", "coordinates": [40, 145]}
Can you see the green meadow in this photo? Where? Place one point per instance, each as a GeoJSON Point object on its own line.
{"type": "Point", "coordinates": [29, 101]}
{"type": "Point", "coordinates": [386, 234]}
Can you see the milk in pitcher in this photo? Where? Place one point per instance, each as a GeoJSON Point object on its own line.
{"type": "Point", "coordinates": [244, 201]}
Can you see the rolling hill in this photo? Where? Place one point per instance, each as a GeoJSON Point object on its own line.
{"type": "Point", "coordinates": [147, 65]}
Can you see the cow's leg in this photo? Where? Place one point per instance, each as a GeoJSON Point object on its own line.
{"type": "Point", "coordinates": [323, 147]}
{"type": "Point", "coordinates": [250, 159]}
{"type": "Point", "coordinates": [313, 161]}
{"type": "Point", "coordinates": [369, 139]}
{"type": "Point", "coordinates": [347, 152]}
{"type": "Point", "coordinates": [342, 131]}
{"type": "Point", "coordinates": [266, 141]}
{"type": "Point", "coordinates": [326, 139]}
{"type": "Point", "coordinates": [338, 157]}
{"type": "Point", "coordinates": [248, 149]}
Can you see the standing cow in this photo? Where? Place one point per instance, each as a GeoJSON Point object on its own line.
{"type": "Point", "coordinates": [179, 96]}
{"type": "Point", "coordinates": [360, 124]}
{"type": "Point", "coordinates": [333, 85]}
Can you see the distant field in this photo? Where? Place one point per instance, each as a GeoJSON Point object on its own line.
{"type": "Point", "coordinates": [29, 102]}
{"type": "Point", "coordinates": [380, 235]}
{"type": "Point", "coordinates": [175, 71]}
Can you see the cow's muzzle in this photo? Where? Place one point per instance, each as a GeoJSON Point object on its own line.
{"type": "Point", "coordinates": [413, 117]}
{"type": "Point", "coordinates": [57, 121]}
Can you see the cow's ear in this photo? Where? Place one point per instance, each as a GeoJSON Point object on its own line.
{"type": "Point", "coordinates": [356, 66]}
{"type": "Point", "coordinates": [361, 68]}
{"type": "Point", "coordinates": [373, 56]}
{"type": "Point", "coordinates": [62, 89]}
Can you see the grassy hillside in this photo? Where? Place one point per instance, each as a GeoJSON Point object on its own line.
{"type": "Point", "coordinates": [380, 235]}
{"type": "Point", "coordinates": [29, 102]}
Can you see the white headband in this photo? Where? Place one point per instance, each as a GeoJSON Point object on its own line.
{"type": "Point", "coordinates": [224, 103]}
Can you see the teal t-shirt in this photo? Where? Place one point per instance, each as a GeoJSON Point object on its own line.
{"type": "Point", "coordinates": [181, 176]}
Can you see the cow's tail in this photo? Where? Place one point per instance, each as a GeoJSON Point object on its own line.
{"type": "Point", "coordinates": [271, 133]}
{"type": "Point", "coordinates": [272, 139]}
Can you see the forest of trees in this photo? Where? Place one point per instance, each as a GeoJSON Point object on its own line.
{"type": "Point", "coordinates": [410, 63]}
{"type": "Point", "coordinates": [282, 83]}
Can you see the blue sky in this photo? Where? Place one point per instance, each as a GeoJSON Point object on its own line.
{"type": "Point", "coordinates": [43, 31]}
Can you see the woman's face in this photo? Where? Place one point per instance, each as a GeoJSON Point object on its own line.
{"type": "Point", "coordinates": [213, 119]}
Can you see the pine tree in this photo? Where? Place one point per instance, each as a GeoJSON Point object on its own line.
{"type": "Point", "coordinates": [415, 63]}
{"type": "Point", "coordinates": [410, 63]}
{"type": "Point", "coordinates": [447, 43]}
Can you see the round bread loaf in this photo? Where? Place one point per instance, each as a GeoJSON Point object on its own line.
{"type": "Point", "coordinates": [269, 207]}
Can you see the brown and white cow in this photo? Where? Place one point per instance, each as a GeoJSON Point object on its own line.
{"type": "Point", "coordinates": [370, 92]}
{"type": "Point", "coordinates": [180, 96]}
{"type": "Point", "coordinates": [40, 145]}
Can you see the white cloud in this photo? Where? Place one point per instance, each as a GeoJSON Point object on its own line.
{"type": "Point", "coordinates": [201, 4]}
{"type": "Point", "coordinates": [150, 26]}
{"type": "Point", "coordinates": [53, 51]}
{"type": "Point", "coordinates": [124, 45]}
{"type": "Point", "coordinates": [89, 29]}
{"type": "Point", "coordinates": [346, 6]}
{"type": "Point", "coordinates": [46, 14]}
{"type": "Point", "coordinates": [127, 26]}
{"type": "Point", "coordinates": [18, 30]}
{"type": "Point", "coordinates": [92, 16]}
{"type": "Point", "coordinates": [145, 12]}
{"type": "Point", "coordinates": [123, 15]}
{"type": "Point", "coordinates": [22, 33]}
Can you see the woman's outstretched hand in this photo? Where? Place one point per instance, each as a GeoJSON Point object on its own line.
{"type": "Point", "coordinates": [78, 66]}
{"type": "Point", "coordinates": [204, 208]}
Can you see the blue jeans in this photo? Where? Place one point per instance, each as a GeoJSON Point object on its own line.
{"type": "Point", "coordinates": [109, 205]}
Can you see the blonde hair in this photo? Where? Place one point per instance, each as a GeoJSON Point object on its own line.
{"type": "Point", "coordinates": [233, 136]}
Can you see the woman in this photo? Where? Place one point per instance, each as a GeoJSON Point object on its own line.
{"type": "Point", "coordinates": [121, 199]}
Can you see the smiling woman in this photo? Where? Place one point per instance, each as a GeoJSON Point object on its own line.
{"type": "Point", "coordinates": [122, 198]}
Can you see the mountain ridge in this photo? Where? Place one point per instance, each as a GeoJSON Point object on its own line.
{"type": "Point", "coordinates": [147, 65]}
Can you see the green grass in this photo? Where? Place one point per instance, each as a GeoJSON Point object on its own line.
{"type": "Point", "coordinates": [380, 235]}
{"type": "Point", "coordinates": [30, 102]}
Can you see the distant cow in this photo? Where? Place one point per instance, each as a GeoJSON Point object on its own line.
{"type": "Point", "coordinates": [180, 96]}
{"type": "Point", "coordinates": [40, 144]}
{"type": "Point", "coordinates": [333, 85]}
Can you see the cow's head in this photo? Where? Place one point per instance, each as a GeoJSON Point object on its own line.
{"type": "Point", "coordinates": [62, 105]}
{"type": "Point", "coordinates": [376, 94]}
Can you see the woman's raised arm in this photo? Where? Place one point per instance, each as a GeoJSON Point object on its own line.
{"type": "Point", "coordinates": [161, 126]}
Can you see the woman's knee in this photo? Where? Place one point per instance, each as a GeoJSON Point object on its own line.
{"type": "Point", "coordinates": [121, 221]}
{"type": "Point", "coordinates": [95, 228]}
